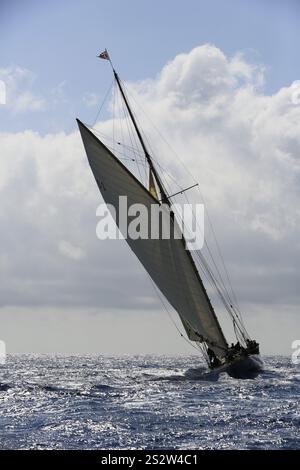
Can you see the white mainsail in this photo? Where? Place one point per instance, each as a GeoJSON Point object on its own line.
{"type": "Point", "coordinates": [167, 261]}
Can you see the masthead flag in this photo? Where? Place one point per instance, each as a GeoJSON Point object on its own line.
{"type": "Point", "coordinates": [104, 55]}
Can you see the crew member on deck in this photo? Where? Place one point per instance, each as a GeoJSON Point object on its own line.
{"type": "Point", "coordinates": [214, 361]}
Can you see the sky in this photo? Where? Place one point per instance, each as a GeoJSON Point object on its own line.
{"type": "Point", "coordinates": [219, 79]}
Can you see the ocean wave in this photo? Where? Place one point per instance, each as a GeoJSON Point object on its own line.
{"type": "Point", "coordinates": [145, 402]}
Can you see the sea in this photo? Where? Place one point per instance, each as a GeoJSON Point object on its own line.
{"type": "Point", "coordinates": [145, 402]}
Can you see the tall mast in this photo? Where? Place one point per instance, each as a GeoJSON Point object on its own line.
{"type": "Point", "coordinates": [163, 192]}
{"type": "Point", "coordinates": [164, 196]}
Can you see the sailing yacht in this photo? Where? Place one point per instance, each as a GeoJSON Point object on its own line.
{"type": "Point", "coordinates": [169, 262]}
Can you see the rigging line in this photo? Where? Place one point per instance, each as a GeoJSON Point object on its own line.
{"type": "Point", "coordinates": [121, 155]}
{"type": "Point", "coordinates": [127, 124]}
{"type": "Point", "coordinates": [158, 294]}
{"type": "Point", "coordinates": [214, 283]}
{"type": "Point", "coordinates": [178, 216]}
{"type": "Point", "coordinates": [232, 301]}
{"type": "Point", "coordinates": [103, 101]}
{"type": "Point", "coordinates": [210, 282]}
{"type": "Point", "coordinates": [187, 228]}
{"type": "Point", "coordinates": [166, 175]}
{"type": "Point", "coordinates": [125, 158]}
{"type": "Point", "coordinates": [179, 330]}
{"type": "Point", "coordinates": [240, 326]}
{"type": "Point", "coordinates": [183, 190]}
{"type": "Point", "coordinates": [204, 268]}
{"type": "Point", "coordinates": [147, 155]}
{"type": "Point", "coordinates": [222, 259]}
{"type": "Point", "coordinates": [124, 154]}
{"type": "Point", "coordinates": [114, 98]}
{"type": "Point", "coordinates": [139, 153]}
{"type": "Point", "coordinates": [139, 163]}
{"type": "Point", "coordinates": [209, 278]}
{"type": "Point", "coordinates": [121, 121]}
{"type": "Point", "coordinates": [136, 142]}
{"type": "Point", "coordinates": [160, 134]}
{"type": "Point", "coordinates": [210, 254]}
{"type": "Point", "coordinates": [202, 347]}
{"type": "Point", "coordinates": [191, 325]}
{"type": "Point", "coordinates": [138, 121]}
{"type": "Point", "coordinates": [211, 274]}
{"type": "Point", "coordinates": [131, 136]}
{"type": "Point", "coordinates": [132, 97]}
{"type": "Point", "coordinates": [239, 337]}
{"type": "Point", "coordinates": [194, 329]}
{"type": "Point", "coordinates": [137, 146]}
{"type": "Point", "coordinates": [237, 333]}
{"type": "Point", "coordinates": [214, 280]}
{"type": "Point", "coordinates": [226, 292]}
{"type": "Point", "coordinates": [186, 168]}
{"type": "Point", "coordinates": [206, 275]}
{"type": "Point", "coordinates": [126, 147]}
{"type": "Point", "coordinates": [164, 170]}
{"type": "Point", "coordinates": [221, 256]}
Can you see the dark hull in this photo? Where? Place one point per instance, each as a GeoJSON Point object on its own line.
{"type": "Point", "coordinates": [243, 367]}
{"type": "Point", "coordinates": [246, 367]}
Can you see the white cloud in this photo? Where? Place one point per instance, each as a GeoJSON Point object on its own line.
{"type": "Point", "coordinates": [91, 99]}
{"type": "Point", "coordinates": [19, 95]}
{"type": "Point", "coordinates": [58, 93]}
{"type": "Point", "coordinates": [241, 144]}
{"type": "Point", "coordinates": [70, 251]}
{"type": "Point", "coordinates": [28, 102]}
{"type": "Point", "coordinates": [2, 92]}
